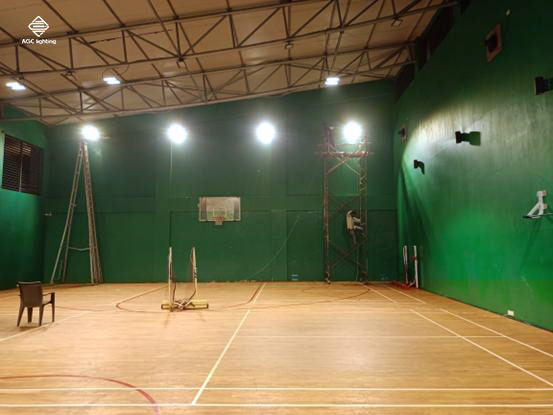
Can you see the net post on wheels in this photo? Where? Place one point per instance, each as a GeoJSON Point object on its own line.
{"type": "Point", "coordinates": [189, 286]}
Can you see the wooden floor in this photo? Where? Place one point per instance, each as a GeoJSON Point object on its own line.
{"type": "Point", "coordinates": [275, 348]}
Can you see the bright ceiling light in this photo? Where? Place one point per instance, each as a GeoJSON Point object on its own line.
{"type": "Point", "coordinates": [352, 132]}
{"type": "Point", "coordinates": [176, 133]}
{"type": "Point", "coordinates": [111, 80]}
{"type": "Point", "coordinates": [265, 132]}
{"type": "Point", "coordinates": [16, 86]}
{"type": "Point", "coordinates": [90, 133]}
{"type": "Point", "coordinates": [332, 81]}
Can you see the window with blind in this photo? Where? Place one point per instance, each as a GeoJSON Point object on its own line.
{"type": "Point", "coordinates": [22, 166]}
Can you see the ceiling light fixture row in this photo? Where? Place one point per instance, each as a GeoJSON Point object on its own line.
{"type": "Point", "coordinates": [112, 80]}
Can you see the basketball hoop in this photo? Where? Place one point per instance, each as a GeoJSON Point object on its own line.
{"type": "Point", "coordinates": [219, 220]}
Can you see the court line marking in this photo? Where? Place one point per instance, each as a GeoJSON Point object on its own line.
{"type": "Point", "coordinates": [143, 393]}
{"type": "Point", "coordinates": [271, 405]}
{"type": "Point", "coordinates": [366, 311]}
{"type": "Point", "coordinates": [407, 295]}
{"type": "Point", "coordinates": [500, 334]}
{"type": "Point", "coordinates": [275, 389]}
{"type": "Point", "coordinates": [56, 323]}
{"type": "Point", "coordinates": [385, 296]}
{"type": "Point", "coordinates": [486, 349]}
{"type": "Point", "coordinates": [46, 326]}
{"type": "Point", "coordinates": [220, 358]}
{"type": "Point", "coordinates": [262, 310]}
{"type": "Point", "coordinates": [359, 337]}
{"type": "Point", "coordinates": [309, 302]}
{"type": "Point", "coordinates": [227, 346]}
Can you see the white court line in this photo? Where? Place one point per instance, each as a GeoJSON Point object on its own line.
{"type": "Point", "coordinates": [500, 334]}
{"type": "Point", "coordinates": [55, 324]}
{"type": "Point", "coordinates": [270, 405]}
{"type": "Point", "coordinates": [227, 346]}
{"type": "Point", "coordinates": [46, 326]}
{"type": "Point", "coordinates": [358, 337]}
{"type": "Point", "coordinates": [308, 301]}
{"type": "Point", "coordinates": [385, 296]}
{"type": "Point", "coordinates": [323, 389]}
{"type": "Point", "coordinates": [487, 350]}
{"type": "Point", "coordinates": [407, 295]}
{"type": "Point", "coordinates": [365, 311]}
{"type": "Point", "coordinates": [93, 389]}
{"type": "Point", "coordinates": [275, 389]}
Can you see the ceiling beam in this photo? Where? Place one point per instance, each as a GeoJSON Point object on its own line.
{"type": "Point", "coordinates": [170, 107]}
{"type": "Point", "coordinates": [146, 80]}
{"type": "Point", "coordinates": [191, 54]}
{"type": "Point", "coordinates": [278, 91]}
{"type": "Point", "coordinates": [180, 19]}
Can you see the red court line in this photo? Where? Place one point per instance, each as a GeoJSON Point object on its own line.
{"type": "Point", "coordinates": [332, 300]}
{"type": "Point", "coordinates": [144, 394]}
{"type": "Point", "coordinates": [254, 294]}
{"type": "Point", "coordinates": [79, 309]}
{"type": "Point", "coordinates": [118, 305]}
{"type": "Point", "coordinates": [211, 310]}
{"type": "Point", "coordinates": [208, 310]}
{"type": "Point", "coordinates": [107, 309]}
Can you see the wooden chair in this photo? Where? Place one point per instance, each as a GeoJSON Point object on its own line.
{"type": "Point", "coordinates": [31, 296]}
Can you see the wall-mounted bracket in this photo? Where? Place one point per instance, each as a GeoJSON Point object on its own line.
{"type": "Point", "coordinates": [460, 137]}
{"type": "Point", "coordinates": [403, 133]}
{"type": "Point", "coordinates": [473, 137]}
{"type": "Point", "coordinates": [539, 208]}
{"type": "Point", "coordinates": [417, 164]}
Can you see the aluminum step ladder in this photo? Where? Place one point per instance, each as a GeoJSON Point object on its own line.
{"type": "Point", "coordinates": [59, 272]}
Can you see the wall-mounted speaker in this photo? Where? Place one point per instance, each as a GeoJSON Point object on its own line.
{"type": "Point", "coordinates": [460, 137]}
{"type": "Point", "coordinates": [473, 138]}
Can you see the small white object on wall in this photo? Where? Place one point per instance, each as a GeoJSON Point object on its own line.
{"type": "Point", "coordinates": [539, 208]}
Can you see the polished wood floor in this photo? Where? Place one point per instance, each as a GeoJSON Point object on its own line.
{"type": "Point", "coordinates": [274, 348]}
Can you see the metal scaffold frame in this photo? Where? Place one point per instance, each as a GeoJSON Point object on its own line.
{"type": "Point", "coordinates": [59, 272]}
{"type": "Point", "coordinates": [333, 160]}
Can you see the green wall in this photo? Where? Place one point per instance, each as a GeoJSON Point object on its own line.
{"type": "Point", "coordinates": [142, 208]}
{"type": "Point", "coordinates": [21, 236]}
{"type": "Point", "coordinates": [465, 212]}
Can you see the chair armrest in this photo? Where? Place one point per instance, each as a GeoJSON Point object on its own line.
{"type": "Point", "coordinates": [52, 297]}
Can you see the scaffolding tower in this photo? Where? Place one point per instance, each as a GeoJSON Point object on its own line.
{"type": "Point", "coordinates": [60, 266]}
{"type": "Point", "coordinates": [335, 209]}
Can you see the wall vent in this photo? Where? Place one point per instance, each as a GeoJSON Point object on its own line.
{"type": "Point", "coordinates": [22, 166]}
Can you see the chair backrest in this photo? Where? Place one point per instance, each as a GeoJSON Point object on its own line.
{"type": "Point", "coordinates": [31, 293]}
